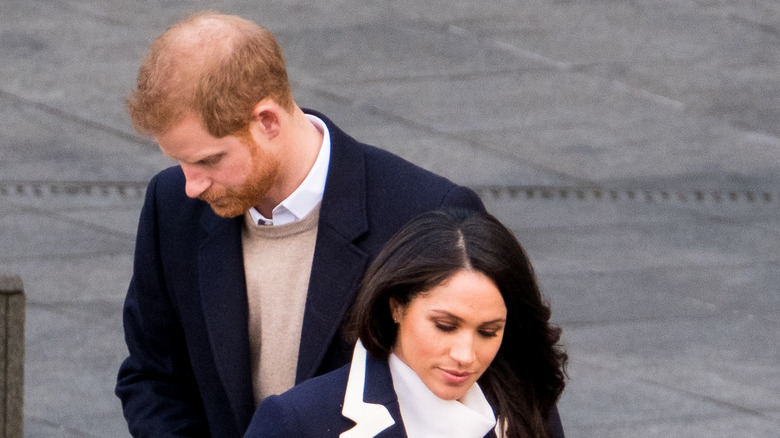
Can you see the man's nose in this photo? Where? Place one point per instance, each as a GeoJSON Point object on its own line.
{"type": "Point", "coordinates": [196, 181]}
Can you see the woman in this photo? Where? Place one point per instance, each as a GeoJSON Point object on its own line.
{"type": "Point", "coordinates": [453, 340]}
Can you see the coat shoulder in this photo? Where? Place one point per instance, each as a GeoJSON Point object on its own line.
{"type": "Point", "coordinates": [310, 409]}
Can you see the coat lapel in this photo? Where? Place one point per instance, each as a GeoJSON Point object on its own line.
{"type": "Point", "coordinates": [223, 292]}
{"type": "Point", "coordinates": [370, 418]}
{"type": "Point", "coordinates": [338, 263]}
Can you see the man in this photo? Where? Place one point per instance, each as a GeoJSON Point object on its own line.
{"type": "Point", "coordinates": [249, 251]}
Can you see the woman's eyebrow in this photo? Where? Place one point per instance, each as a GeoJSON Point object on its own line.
{"type": "Point", "coordinates": [447, 313]}
{"type": "Point", "coordinates": [496, 321]}
{"type": "Point", "coordinates": [459, 319]}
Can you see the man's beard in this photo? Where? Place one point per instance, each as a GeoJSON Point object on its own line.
{"type": "Point", "coordinates": [235, 201]}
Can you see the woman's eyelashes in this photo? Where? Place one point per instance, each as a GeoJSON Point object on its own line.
{"type": "Point", "coordinates": [488, 333]}
{"type": "Point", "coordinates": [447, 327]}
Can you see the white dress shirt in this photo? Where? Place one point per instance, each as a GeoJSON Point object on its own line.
{"type": "Point", "coordinates": [309, 194]}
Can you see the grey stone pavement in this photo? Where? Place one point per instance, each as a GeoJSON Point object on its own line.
{"type": "Point", "coordinates": [633, 146]}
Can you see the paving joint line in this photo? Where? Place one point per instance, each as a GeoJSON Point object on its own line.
{"type": "Point", "coordinates": [136, 190]}
{"type": "Point", "coordinates": [615, 194]}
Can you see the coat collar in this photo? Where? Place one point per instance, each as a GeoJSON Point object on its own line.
{"type": "Point", "coordinates": [338, 262]}
{"type": "Point", "coordinates": [224, 303]}
{"type": "Point", "coordinates": [370, 418]}
{"type": "Point", "coordinates": [344, 206]}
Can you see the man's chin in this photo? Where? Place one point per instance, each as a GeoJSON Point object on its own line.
{"type": "Point", "coordinates": [227, 214]}
{"type": "Point", "coordinates": [227, 210]}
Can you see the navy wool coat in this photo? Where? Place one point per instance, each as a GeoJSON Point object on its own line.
{"type": "Point", "coordinates": [356, 401]}
{"type": "Point", "coordinates": [186, 315]}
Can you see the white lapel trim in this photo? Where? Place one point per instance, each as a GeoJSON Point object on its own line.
{"type": "Point", "coordinates": [370, 418]}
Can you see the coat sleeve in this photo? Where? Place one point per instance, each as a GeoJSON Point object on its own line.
{"type": "Point", "coordinates": [155, 383]}
{"type": "Point", "coordinates": [274, 419]}
{"type": "Point", "coordinates": [312, 409]}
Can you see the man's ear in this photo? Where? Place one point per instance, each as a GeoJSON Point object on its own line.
{"type": "Point", "coordinates": [266, 119]}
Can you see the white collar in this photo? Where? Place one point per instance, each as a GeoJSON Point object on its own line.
{"type": "Point", "coordinates": [426, 415]}
{"type": "Point", "coordinates": [309, 194]}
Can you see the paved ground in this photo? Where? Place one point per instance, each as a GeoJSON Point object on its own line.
{"type": "Point", "coordinates": [632, 145]}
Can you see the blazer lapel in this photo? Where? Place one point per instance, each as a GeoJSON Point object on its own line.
{"type": "Point", "coordinates": [223, 292]}
{"type": "Point", "coordinates": [338, 263]}
{"type": "Point", "coordinates": [379, 389]}
{"type": "Point", "coordinates": [370, 418]}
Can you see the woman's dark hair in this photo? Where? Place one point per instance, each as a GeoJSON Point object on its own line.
{"type": "Point", "coordinates": [527, 376]}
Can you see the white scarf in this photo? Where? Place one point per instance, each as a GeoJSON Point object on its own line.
{"type": "Point", "coordinates": [427, 416]}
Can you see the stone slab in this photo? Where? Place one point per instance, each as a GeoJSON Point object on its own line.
{"type": "Point", "coordinates": [395, 52]}
{"type": "Point", "coordinates": [37, 235]}
{"type": "Point", "coordinates": [725, 361]}
{"type": "Point", "coordinates": [75, 353]}
{"type": "Point", "coordinates": [83, 278]}
{"type": "Point", "coordinates": [653, 294]}
{"type": "Point", "coordinates": [40, 143]}
{"type": "Point", "coordinates": [583, 126]}
{"type": "Point", "coordinates": [464, 162]}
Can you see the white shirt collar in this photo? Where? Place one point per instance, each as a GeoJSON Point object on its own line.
{"type": "Point", "coordinates": [426, 415]}
{"type": "Point", "coordinates": [309, 194]}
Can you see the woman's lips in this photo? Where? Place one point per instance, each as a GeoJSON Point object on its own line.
{"type": "Point", "coordinates": [455, 377]}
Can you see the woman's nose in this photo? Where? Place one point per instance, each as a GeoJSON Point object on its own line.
{"type": "Point", "coordinates": [462, 349]}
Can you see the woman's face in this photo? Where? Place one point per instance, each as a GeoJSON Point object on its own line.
{"type": "Point", "coordinates": [450, 334]}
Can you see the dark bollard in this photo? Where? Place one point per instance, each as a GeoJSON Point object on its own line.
{"type": "Point", "coordinates": [11, 357]}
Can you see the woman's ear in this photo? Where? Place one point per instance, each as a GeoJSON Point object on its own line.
{"type": "Point", "coordinates": [396, 310]}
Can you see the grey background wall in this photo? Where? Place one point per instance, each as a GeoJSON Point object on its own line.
{"type": "Point", "coordinates": [632, 146]}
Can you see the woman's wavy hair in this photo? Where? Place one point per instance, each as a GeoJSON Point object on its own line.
{"type": "Point", "coordinates": [527, 376]}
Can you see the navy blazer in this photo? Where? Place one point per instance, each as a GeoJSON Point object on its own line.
{"type": "Point", "coordinates": [186, 315]}
{"type": "Point", "coordinates": [357, 400]}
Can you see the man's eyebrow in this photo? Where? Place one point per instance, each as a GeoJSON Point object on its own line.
{"type": "Point", "coordinates": [211, 157]}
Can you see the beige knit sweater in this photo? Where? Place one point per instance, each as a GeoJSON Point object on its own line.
{"type": "Point", "coordinates": [277, 262]}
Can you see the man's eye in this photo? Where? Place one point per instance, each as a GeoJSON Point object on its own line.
{"type": "Point", "coordinates": [210, 161]}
